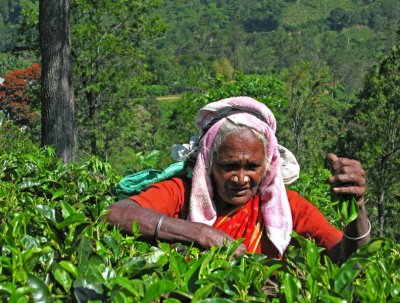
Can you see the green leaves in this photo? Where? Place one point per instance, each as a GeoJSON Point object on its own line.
{"type": "Point", "coordinates": [348, 210]}
{"type": "Point", "coordinates": [63, 277]}
{"type": "Point", "coordinates": [39, 291]}
{"type": "Point", "coordinates": [55, 247]}
{"type": "Point", "coordinates": [290, 287]}
{"type": "Point", "coordinates": [313, 187]}
{"type": "Point", "coordinates": [60, 222]}
{"type": "Point", "coordinates": [157, 289]}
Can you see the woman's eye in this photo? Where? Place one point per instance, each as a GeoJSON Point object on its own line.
{"type": "Point", "coordinates": [253, 166]}
{"type": "Point", "coordinates": [229, 167]}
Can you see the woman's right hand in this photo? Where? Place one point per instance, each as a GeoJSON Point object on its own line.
{"type": "Point", "coordinates": [210, 236]}
{"type": "Point", "coordinates": [125, 212]}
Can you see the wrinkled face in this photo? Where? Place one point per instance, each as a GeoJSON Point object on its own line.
{"type": "Point", "coordinates": [238, 167]}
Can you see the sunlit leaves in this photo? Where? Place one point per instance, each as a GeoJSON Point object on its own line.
{"type": "Point", "coordinates": [56, 247]}
{"type": "Point", "coordinates": [374, 131]}
{"type": "Point", "coordinates": [349, 210]}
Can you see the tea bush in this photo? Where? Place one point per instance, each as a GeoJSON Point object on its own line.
{"type": "Point", "coordinates": [55, 247]}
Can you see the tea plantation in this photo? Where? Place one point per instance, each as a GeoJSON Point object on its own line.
{"type": "Point", "coordinates": [55, 247]}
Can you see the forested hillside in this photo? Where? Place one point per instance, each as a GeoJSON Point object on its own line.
{"type": "Point", "coordinates": [259, 37]}
{"type": "Point", "coordinates": [328, 69]}
{"type": "Point", "coordinates": [254, 37]}
{"type": "Point", "coordinates": [307, 59]}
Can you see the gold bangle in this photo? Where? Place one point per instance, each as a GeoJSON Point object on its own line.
{"type": "Point", "coordinates": [158, 226]}
{"type": "Point", "coordinates": [360, 237]}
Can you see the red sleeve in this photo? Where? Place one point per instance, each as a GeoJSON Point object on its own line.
{"type": "Point", "coordinates": [310, 222]}
{"type": "Point", "coordinates": [167, 197]}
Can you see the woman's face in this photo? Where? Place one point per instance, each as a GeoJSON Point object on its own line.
{"type": "Point", "coordinates": [238, 168]}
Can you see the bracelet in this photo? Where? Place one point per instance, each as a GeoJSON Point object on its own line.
{"type": "Point", "coordinates": [158, 226]}
{"type": "Point", "coordinates": [360, 237]}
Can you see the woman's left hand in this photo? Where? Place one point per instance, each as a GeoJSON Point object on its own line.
{"type": "Point", "coordinates": [348, 177]}
{"type": "Point", "coordinates": [348, 180]}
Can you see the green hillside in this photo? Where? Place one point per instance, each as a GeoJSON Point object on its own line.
{"type": "Point", "coordinates": [300, 13]}
{"type": "Point", "coordinates": [328, 70]}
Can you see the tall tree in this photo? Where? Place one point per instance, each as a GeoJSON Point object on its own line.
{"type": "Point", "coordinates": [374, 132]}
{"type": "Point", "coordinates": [309, 110]}
{"type": "Point", "coordinates": [58, 127]}
{"type": "Point", "coordinates": [109, 65]}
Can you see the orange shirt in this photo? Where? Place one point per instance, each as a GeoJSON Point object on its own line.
{"type": "Point", "coordinates": [171, 198]}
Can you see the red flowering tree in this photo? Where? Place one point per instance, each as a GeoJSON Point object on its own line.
{"type": "Point", "coordinates": [18, 95]}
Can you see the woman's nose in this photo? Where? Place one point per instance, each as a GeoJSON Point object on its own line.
{"type": "Point", "coordinates": [240, 178]}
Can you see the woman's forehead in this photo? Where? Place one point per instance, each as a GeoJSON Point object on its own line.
{"type": "Point", "coordinates": [246, 143]}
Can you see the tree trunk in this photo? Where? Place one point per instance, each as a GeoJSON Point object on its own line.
{"type": "Point", "coordinates": [381, 212]}
{"type": "Point", "coordinates": [58, 124]}
{"type": "Point", "coordinates": [91, 98]}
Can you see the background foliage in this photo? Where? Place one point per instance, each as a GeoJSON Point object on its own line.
{"type": "Point", "coordinates": [329, 70]}
{"type": "Point", "coordinates": [308, 66]}
{"type": "Point", "coordinates": [56, 248]}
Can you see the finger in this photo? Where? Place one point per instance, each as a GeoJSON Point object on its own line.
{"type": "Point", "coordinates": [350, 190]}
{"type": "Point", "coordinates": [331, 157]}
{"type": "Point", "coordinates": [241, 250]}
{"type": "Point", "coordinates": [344, 165]}
{"type": "Point", "coordinates": [351, 169]}
{"type": "Point", "coordinates": [334, 162]}
{"type": "Point", "coordinates": [354, 179]}
{"type": "Point", "coordinates": [345, 162]}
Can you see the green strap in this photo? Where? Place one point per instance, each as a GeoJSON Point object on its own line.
{"type": "Point", "coordinates": [141, 180]}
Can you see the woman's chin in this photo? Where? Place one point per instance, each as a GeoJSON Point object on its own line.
{"type": "Point", "coordinates": [239, 200]}
{"type": "Point", "coordinates": [235, 198]}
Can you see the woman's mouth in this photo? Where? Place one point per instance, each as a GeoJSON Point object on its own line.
{"type": "Point", "coordinates": [240, 191]}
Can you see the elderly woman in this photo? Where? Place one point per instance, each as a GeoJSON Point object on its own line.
{"type": "Point", "coordinates": [237, 190]}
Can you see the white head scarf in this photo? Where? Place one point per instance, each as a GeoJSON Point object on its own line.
{"type": "Point", "coordinates": [283, 168]}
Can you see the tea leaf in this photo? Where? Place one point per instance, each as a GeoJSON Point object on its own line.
{"type": "Point", "coordinates": [40, 293]}
{"type": "Point", "coordinates": [157, 289]}
{"type": "Point", "coordinates": [62, 277]}
{"type": "Point", "coordinates": [290, 287]}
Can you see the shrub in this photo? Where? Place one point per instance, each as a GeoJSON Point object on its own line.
{"type": "Point", "coordinates": [56, 248]}
{"type": "Point", "coordinates": [17, 96]}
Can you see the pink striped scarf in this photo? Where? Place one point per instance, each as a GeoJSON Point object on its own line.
{"type": "Point", "coordinates": [275, 207]}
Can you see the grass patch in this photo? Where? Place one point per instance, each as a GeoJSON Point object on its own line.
{"type": "Point", "coordinates": [169, 98]}
{"type": "Point", "coordinates": [359, 33]}
{"type": "Point", "coordinates": [305, 11]}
